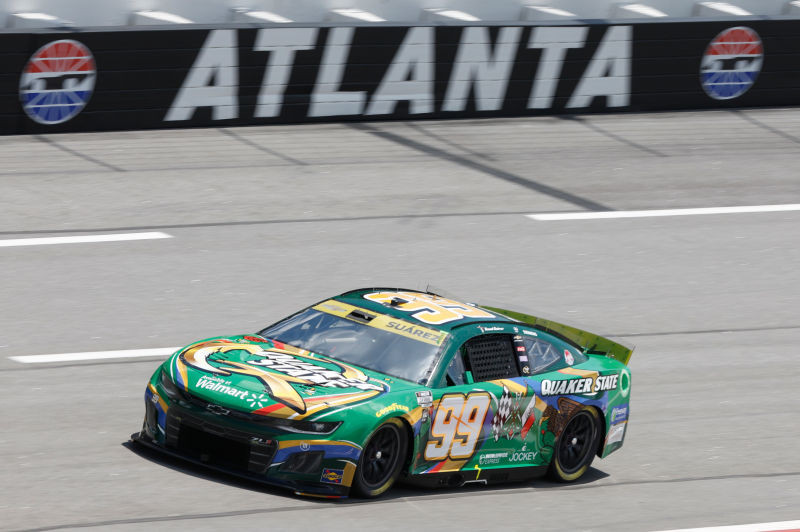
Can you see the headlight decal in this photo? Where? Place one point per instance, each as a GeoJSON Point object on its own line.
{"type": "Point", "coordinates": [180, 373]}
{"type": "Point", "coordinates": [151, 394]}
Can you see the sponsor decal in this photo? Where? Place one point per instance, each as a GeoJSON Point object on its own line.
{"type": "Point", "coordinates": [518, 456]}
{"type": "Point", "coordinates": [394, 407]}
{"type": "Point", "coordinates": [731, 63]}
{"type": "Point", "coordinates": [585, 386]}
{"type": "Point", "coordinates": [491, 329]}
{"type": "Point", "coordinates": [215, 385]}
{"type": "Point", "coordinates": [557, 417]}
{"type": "Point", "coordinates": [568, 357]}
{"type": "Point", "coordinates": [616, 434]}
{"type": "Point", "coordinates": [332, 476]}
{"type": "Point", "coordinates": [57, 82]}
{"type": "Point", "coordinates": [567, 387]}
{"type": "Point", "coordinates": [523, 456]}
{"type": "Point", "coordinates": [285, 369]}
{"type": "Point", "coordinates": [510, 418]}
{"type": "Point", "coordinates": [257, 401]}
{"type": "Point", "coordinates": [255, 339]}
{"type": "Point", "coordinates": [503, 413]}
{"type": "Point", "coordinates": [625, 383]}
{"type": "Point", "coordinates": [521, 349]}
{"type": "Point", "coordinates": [491, 458]}
{"type": "Point", "coordinates": [311, 373]}
{"type": "Point", "coordinates": [304, 446]}
{"type": "Point", "coordinates": [529, 333]}
{"type": "Point", "coordinates": [619, 413]}
{"type": "Point", "coordinates": [479, 78]}
{"type": "Point", "coordinates": [413, 330]}
{"type": "Point", "coordinates": [424, 398]}
{"type": "Point", "coordinates": [528, 418]}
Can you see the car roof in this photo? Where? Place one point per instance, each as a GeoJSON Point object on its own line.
{"type": "Point", "coordinates": [425, 308]}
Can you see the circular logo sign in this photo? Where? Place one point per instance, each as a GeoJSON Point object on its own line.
{"type": "Point", "coordinates": [731, 63]}
{"type": "Point", "coordinates": [57, 82]}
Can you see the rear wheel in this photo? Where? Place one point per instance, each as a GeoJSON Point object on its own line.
{"type": "Point", "coordinates": [576, 447]}
{"type": "Point", "coordinates": [381, 460]}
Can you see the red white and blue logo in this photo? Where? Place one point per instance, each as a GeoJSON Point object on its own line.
{"type": "Point", "coordinates": [57, 82]}
{"type": "Point", "coordinates": [731, 63]}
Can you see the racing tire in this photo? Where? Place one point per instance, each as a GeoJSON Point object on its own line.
{"type": "Point", "coordinates": [575, 447]}
{"type": "Point", "coordinates": [381, 460]}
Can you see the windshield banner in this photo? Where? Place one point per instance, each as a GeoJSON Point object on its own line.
{"type": "Point", "coordinates": [382, 322]}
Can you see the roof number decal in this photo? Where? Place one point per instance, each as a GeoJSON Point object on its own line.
{"type": "Point", "coordinates": [428, 308]}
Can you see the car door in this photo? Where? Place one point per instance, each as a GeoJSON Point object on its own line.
{"type": "Point", "coordinates": [478, 418]}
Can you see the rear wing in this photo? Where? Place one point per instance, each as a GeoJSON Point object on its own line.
{"type": "Point", "coordinates": [590, 343]}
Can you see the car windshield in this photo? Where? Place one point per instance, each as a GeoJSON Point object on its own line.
{"type": "Point", "coordinates": [372, 341]}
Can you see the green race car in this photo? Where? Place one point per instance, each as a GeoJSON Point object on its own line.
{"type": "Point", "coordinates": [374, 385]}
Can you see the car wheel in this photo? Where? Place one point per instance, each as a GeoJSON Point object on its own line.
{"type": "Point", "coordinates": [381, 460]}
{"type": "Point", "coordinates": [576, 447]}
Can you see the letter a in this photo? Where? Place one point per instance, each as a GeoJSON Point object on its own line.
{"type": "Point", "coordinates": [609, 73]}
{"type": "Point", "coordinates": [410, 76]}
{"type": "Point", "coordinates": [216, 63]}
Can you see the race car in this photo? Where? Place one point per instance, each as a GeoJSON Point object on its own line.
{"type": "Point", "coordinates": [374, 385]}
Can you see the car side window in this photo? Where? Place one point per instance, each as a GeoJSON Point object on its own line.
{"type": "Point", "coordinates": [544, 356]}
{"type": "Point", "coordinates": [490, 357]}
{"type": "Point", "coordinates": [455, 371]}
{"type": "Point", "coordinates": [541, 354]}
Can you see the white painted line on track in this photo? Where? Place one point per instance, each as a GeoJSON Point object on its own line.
{"type": "Point", "coordinates": [82, 239]}
{"type": "Point", "coordinates": [780, 526]}
{"type": "Point", "coordinates": [597, 215]}
{"type": "Point", "coordinates": [95, 355]}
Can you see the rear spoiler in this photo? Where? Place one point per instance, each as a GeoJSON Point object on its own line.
{"type": "Point", "coordinates": [589, 343]}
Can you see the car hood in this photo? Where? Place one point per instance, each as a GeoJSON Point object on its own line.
{"type": "Point", "coordinates": [266, 377]}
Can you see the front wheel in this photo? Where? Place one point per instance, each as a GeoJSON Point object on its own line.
{"type": "Point", "coordinates": [576, 447]}
{"type": "Point", "coordinates": [381, 460]}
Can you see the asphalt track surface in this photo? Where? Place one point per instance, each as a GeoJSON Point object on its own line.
{"type": "Point", "coordinates": [265, 220]}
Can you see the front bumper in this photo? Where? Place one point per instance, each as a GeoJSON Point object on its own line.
{"type": "Point", "coordinates": [298, 462]}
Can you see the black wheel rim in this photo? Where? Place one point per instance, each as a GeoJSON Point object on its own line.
{"type": "Point", "coordinates": [576, 442]}
{"type": "Point", "coordinates": [380, 456]}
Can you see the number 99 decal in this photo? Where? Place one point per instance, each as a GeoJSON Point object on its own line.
{"type": "Point", "coordinates": [457, 426]}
